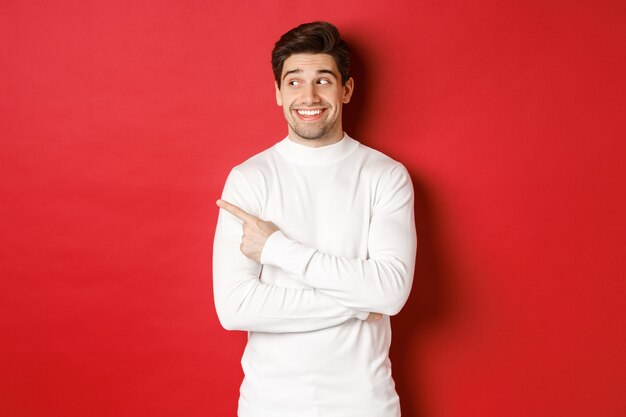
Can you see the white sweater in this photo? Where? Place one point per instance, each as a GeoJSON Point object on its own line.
{"type": "Point", "coordinates": [346, 247]}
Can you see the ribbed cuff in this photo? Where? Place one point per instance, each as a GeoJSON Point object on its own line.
{"type": "Point", "coordinates": [286, 253]}
{"type": "Point", "coordinates": [362, 315]}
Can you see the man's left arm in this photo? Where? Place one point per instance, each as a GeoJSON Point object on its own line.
{"type": "Point", "coordinates": [380, 283]}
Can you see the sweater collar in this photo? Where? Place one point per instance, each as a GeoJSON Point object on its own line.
{"type": "Point", "coordinates": [324, 155]}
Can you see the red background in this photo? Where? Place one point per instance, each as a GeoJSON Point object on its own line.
{"type": "Point", "coordinates": [120, 120]}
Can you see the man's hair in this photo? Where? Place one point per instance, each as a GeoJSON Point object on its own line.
{"type": "Point", "coordinates": [312, 38]}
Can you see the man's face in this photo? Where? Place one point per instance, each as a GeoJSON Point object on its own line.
{"type": "Point", "coordinates": [312, 97]}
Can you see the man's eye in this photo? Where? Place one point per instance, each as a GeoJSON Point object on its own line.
{"type": "Point", "coordinates": [323, 81]}
{"type": "Point", "coordinates": [294, 82]}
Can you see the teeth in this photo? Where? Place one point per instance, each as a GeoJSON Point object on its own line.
{"type": "Point", "coordinates": [309, 112]}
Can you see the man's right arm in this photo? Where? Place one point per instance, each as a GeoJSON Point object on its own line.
{"type": "Point", "coordinates": [243, 302]}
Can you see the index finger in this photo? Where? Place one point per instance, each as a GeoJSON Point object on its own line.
{"type": "Point", "coordinates": [235, 211]}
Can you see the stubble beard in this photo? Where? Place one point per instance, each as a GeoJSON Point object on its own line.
{"type": "Point", "coordinates": [312, 132]}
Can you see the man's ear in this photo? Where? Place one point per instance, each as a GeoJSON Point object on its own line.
{"type": "Point", "coordinates": [348, 89]}
{"type": "Point", "coordinates": [279, 99]}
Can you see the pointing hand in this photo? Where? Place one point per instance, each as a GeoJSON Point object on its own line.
{"type": "Point", "coordinates": [255, 230]}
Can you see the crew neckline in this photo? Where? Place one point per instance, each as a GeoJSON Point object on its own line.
{"type": "Point", "coordinates": [323, 155]}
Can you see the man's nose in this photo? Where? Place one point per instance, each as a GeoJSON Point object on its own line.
{"type": "Point", "coordinates": [309, 94]}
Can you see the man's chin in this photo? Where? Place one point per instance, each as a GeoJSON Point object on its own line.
{"type": "Point", "coordinates": [310, 134]}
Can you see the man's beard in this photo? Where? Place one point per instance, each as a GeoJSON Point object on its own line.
{"type": "Point", "coordinates": [311, 132]}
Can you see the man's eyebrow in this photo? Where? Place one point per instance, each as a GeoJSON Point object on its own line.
{"type": "Point", "coordinates": [327, 71]}
{"type": "Point", "coordinates": [293, 71]}
{"type": "Point", "coordinates": [321, 71]}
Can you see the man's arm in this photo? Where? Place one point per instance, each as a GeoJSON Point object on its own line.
{"type": "Point", "coordinates": [243, 302]}
{"type": "Point", "coordinates": [382, 282]}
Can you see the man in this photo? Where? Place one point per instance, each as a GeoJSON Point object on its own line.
{"type": "Point", "coordinates": [327, 250]}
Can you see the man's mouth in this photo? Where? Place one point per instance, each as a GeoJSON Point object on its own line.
{"type": "Point", "coordinates": [309, 114]}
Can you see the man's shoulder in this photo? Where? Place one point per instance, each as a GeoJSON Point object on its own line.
{"type": "Point", "coordinates": [257, 162]}
{"type": "Point", "coordinates": [246, 183]}
{"type": "Point", "coordinates": [378, 160]}
{"type": "Point", "coordinates": [391, 179]}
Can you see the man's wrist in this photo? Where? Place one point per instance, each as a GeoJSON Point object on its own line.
{"type": "Point", "coordinates": [286, 253]}
{"type": "Point", "coordinates": [270, 249]}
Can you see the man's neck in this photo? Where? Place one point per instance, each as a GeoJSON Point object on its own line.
{"type": "Point", "coordinates": [316, 143]}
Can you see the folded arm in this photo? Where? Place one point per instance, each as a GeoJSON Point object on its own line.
{"type": "Point", "coordinates": [380, 283]}
{"type": "Point", "coordinates": [243, 302]}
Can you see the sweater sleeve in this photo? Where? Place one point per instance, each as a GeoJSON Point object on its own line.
{"type": "Point", "coordinates": [380, 283]}
{"type": "Point", "coordinates": [242, 301]}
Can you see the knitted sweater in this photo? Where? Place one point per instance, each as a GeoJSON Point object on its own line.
{"type": "Point", "coordinates": [346, 247]}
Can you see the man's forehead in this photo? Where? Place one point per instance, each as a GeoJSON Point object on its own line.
{"type": "Point", "coordinates": [309, 62]}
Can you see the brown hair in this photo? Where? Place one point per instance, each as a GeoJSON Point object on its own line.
{"type": "Point", "coordinates": [312, 38]}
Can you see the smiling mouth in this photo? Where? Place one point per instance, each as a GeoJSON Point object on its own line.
{"type": "Point", "coordinates": [309, 114]}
